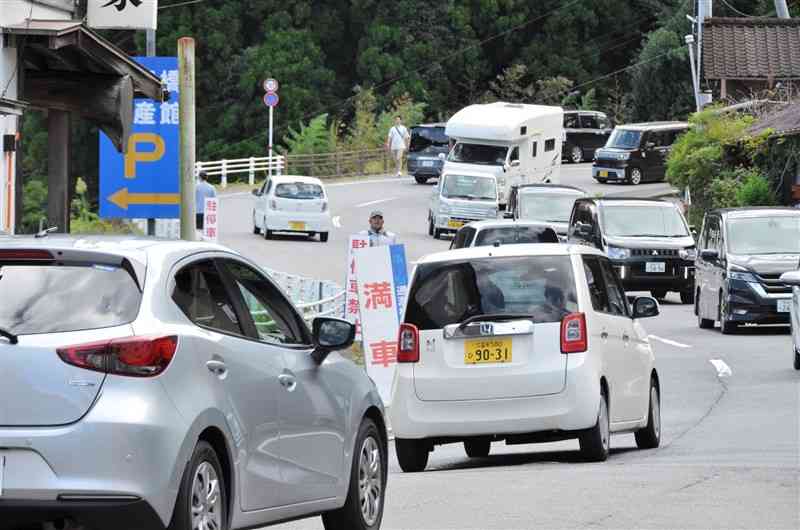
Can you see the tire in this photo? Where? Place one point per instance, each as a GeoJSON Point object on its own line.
{"type": "Point", "coordinates": [256, 229]}
{"type": "Point", "coordinates": [636, 176]}
{"type": "Point", "coordinates": [796, 360]}
{"type": "Point", "coordinates": [421, 180]}
{"type": "Point", "coordinates": [430, 226]}
{"type": "Point", "coordinates": [267, 233]}
{"type": "Point", "coordinates": [370, 467]}
{"type": "Point", "coordinates": [323, 236]}
{"type": "Point", "coordinates": [437, 234]}
{"type": "Point", "coordinates": [726, 326]}
{"type": "Point", "coordinates": [478, 448]}
{"type": "Point", "coordinates": [201, 473]}
{"type": "Point", "coordinates": [702, 323]}
{"type": "Point", "coordinates": [650, 436]}
{"type": "Point", "coordinates": [576, 154]}
{"type": "Point", "coordinates": [659, 294]}
{"type": "Point", "coordinates": [412, 455]}
{"type": "Point", "coordinates": [601, 181]}
{"type": "Point", "coordinates": [687, 297]}
{"type": "Point", "coordinates": [596, 442]}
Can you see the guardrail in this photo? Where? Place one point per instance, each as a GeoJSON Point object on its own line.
{"type": "Point", "coordinates": [223, 168]}
{"type": "Point", "coordinates": [312, 297]}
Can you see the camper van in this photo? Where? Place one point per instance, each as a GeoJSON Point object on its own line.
{"type": "Point", "coordinates": [518, 144]}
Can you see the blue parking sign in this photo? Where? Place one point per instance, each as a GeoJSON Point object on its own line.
{"type": "Point", "coordinates": [145, 183]}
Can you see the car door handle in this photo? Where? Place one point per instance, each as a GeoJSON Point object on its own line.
{"type": "Point", "coordinates": [604, 335]}
{"type": "Point", "coordinates": [288, 382]}
{"type": "Point", "coordinates": [218, 368]}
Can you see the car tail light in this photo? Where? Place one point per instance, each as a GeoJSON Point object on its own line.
{"type": "Point", "coordinates": [573, 333]}
{"type": "Point", "coordinates": [408, 344]}
{"type": "Point", "coordinates": [131, 356]}
{"type": "Point", "coordinates": [273, 204]}
{"type": "Point", "coordinates": [25, 255]}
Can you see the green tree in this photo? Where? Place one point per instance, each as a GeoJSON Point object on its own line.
{"type": "Point", "coordinates": [309, 139]}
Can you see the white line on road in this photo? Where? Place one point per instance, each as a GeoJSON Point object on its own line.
{"type": "Point", "coordinates": [371, 203]}
{"type": "Point", "coordinates": [670, 342]}
{"type": "Point", "coordinates": [337, 221]}
{"type": "Point", "coordinates": [723, 370]}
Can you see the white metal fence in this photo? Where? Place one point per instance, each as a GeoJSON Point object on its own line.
{"type": "Point", "coordinates": [312, 297]}
{"type": "Point", "coordinates": [223, 168]}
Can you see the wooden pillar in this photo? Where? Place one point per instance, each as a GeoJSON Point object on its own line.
{"type": "Point", "coordinates": [186, 67]}
{"type": "Point", "coordinates": [724, 89]}
{"type": "Point", "coordinates": [58, 140]}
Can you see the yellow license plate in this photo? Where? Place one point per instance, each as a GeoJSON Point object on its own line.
{"type": "Point", "coordinates": [487, 351]}
{"type": "Point", "coordinates": [297, 225]}
{"type": "Point", "coordinates": [604, 173]}
{"type": "Point", "coordinates": [454, 224]}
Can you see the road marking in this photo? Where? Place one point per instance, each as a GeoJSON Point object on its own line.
{"type": "Point", "coordinates": [670, 342]}
{"type": "Point", "coordinates": [723, 370]}
{"type": "Point", "coordinates": [370, 203]}
{"type": "Point", "coordinates": [337, 221]}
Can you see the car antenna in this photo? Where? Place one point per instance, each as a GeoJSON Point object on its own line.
{"type": "Point", "coordinates": [44, 231]}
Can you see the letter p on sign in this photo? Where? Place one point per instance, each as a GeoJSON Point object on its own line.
{"type": "Point", "coordinates": [134, 155]}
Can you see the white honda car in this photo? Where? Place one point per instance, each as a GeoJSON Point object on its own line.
{"type": "Point", "coordinates": [522, 344]}
{"type": "Point", "coordinates": [292, 205]}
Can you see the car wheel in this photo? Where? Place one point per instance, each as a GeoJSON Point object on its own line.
{"type": "Point", "coordinates": [256, 229]}
{"type": "Point", "coordinates": [601, 181]}
{"type": "Point", "coordinates": [267, 233]}
{"type": "Point", "coordinates": [659, 294]}
{"type": "Point", "coordinates": [430, 226]}
{"type": "Point", "coordinates": [202, 501]}
{"type": "Point", "coordinates": [421, 180]}
{"type": "Point", "coordinates": [650, 436]}
{"type": "Point", "coordinates": [323, 236]}
{"type": "Point", "coordinates": [702, 323]}
{"type": "Point", "coordinates": [687, 297]}
{"type": "Point", "coordinates": [412, 455]}
{"type": "Point", "coordinates": [576, 155]}
{"type": "Point", "coordinates": [363, 509]}
{"type": "Point", "coordinates": [796, 360]}
{"type": "Point", "coordinates": [477, 448]}
{"type": "Point", "coordinates": [596, 442]}
{"type": "Point", "coordinates": [636, 176]}
{"type": "Point", "coordinates": [725, 325]}
{"type": "Point", "coordinates": [437, 234]}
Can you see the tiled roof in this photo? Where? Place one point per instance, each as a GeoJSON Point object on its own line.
{"type": "Point", "coordinates": [751, 48]}
{"type": "Point", "coordinates": [785, 122]}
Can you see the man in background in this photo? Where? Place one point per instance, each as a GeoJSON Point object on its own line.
{"type": "Point", "coordinates": [378, 235]}
{"type": "Point", "coordinates": [203, 190]}
{"type": "Point", "coordinates": [397, 142]}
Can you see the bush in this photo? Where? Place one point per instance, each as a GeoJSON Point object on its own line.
{"type": "Point", "coordinates": [755, 191]}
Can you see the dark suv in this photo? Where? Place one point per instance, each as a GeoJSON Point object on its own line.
{"type": "Point", "coordinates": [428, 141]}
{"type": "Point", "coordinates": [743, 252]}
{"type": "Point", "coordinates": [585, 132]}
{"type": "Point", "coordinates": [637, 153]}
{"type": "Point", "coordinates": [647, 240]}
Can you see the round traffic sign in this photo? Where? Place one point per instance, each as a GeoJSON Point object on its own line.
{"type": "Point", "coordinates": [271, 85]}
{"type": "Point", "coordinates": [271, 99]}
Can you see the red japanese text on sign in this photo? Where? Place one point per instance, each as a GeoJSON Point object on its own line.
{"type": "Point", "coordinates": [379, 294]}
{"type": "Point", "coordinates": [384, 353]}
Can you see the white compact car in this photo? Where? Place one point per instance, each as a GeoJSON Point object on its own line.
{"type": "Point", "coordinates": [503, 232]}
{"type": "Point", "coordinates": [793, 278]}
{"type": "Point", "coordinates": [526, 344]}
{"type": "Point", "coordinates": [292, 204]}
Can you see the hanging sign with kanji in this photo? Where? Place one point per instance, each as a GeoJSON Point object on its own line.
{"type": "Point", "coordinates": [211, 219]}
{"type": "Point", "coordinates": [352, 313]}
{"type": "Point", "coordinates": [382, 283]}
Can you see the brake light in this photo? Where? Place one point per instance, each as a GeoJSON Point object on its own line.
{"type": "Point", "coordinates": [573, 333]}
{"type": "Point", "coordinates": [408, 344]}
{"type": "Point", "coordinates": [25, 255]}
{"type": "Point", "coordinates": [131, 356]}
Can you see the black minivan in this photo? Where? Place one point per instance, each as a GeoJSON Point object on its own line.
{"type": "Point", "coordinates": [637, 153]}
{"type": "Point", "coordinates": [647, 240]}
{"type": "Point", "coordinates": [585, 132]}
{"type": "Point", "coordinates": [428, 141]}
{"type": "Point", "coordinates": [743, 252]}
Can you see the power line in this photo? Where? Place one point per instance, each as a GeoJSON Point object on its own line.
{"type": "Point", "coordinates": [736, 10]}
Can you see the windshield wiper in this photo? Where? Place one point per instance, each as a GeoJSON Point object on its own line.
{"type": "Point", "coordinates": [493, 317]}
{"type": "Point", "coordinates": [10, 336]}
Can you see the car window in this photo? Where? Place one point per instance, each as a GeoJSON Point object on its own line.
{"type": "Point", "coordinates": [597, 284]}
{"type": "Point", "coordinates": [617, 301]}
{"type": "Point", "coordinates": [514, 154]}
{"type": "Point", "coordinates": [588, 121]}
{"type": "Point", "coordinates": [604, 122]}
{"type": "Point", "coordinates": [509, 235]}
{"type": "Point", "coordinates": [450, 292]}
{"type": "Point", "coordinates": [571, 121]}
{"type": "Point", "coordinates": [463, 238]}
{"type": "Point", "coordinates": [202, 297]}
{"type": "Point", "coordinates": [550, 145]}
{"type": "Point", "coordinates": [624, 139]}
{"type": "Point", "coordinates": [534, 149]}
{"type": "Point", "coordinates": [275, 320]}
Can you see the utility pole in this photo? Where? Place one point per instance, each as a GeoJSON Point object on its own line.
{"type": "Point", "coordinates": [695, 83]}
{"type": "Point", "coordinates": [151, 52]}
{"type": "Point", "coordinates": [187, 136]}
{"type": "Point", "coordinates": [782, 9]}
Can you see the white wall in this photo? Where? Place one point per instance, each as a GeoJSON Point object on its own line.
{"type": "Point", "coordinates": [16, 11]}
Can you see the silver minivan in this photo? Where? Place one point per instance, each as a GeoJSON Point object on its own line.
{"type": "Point", "coordinates": [460, 198]}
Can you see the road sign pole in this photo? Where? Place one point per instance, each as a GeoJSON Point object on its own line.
{"type": "Point", "coordinates": [270, 142]}
{"type": "Point", "coordinates": [187, 136]}
{"type": "Point", "coordinates": [151, 52]}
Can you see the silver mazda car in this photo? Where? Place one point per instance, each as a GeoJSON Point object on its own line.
{"type": "Point", "coordinates": [163, 384]}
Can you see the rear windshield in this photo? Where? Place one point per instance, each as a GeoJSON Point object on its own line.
{"type": "Point", "coordinates": [547, 207]}
{"type": "Point", "coordinates": [424, 137]}
{"type": "Point", "coordinates": [509, 235]}
{"type": "Point", "coordinates": [52, 299]}
{"type": "Point", "coordinates": [624, 139]}
{"type": "Point", "coordinates": [298, 190]}
{"type": "Point", "coordinates": [449, 293]}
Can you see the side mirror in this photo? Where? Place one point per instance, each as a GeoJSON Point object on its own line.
{"type": "Point", "coordinates": [709, 254]}
{"type": "Point", "coordinates": [442, 157]}
{"type": "Point", "coordinates": [515, 163]}
{"type": "Point", "coordinates": [645, 307]}
{"type": "Point", "coordinates": [331, 334]}
{"type": "Point", "coordinates": [257, 192]}
{"type": "Point", "coordinates": [693, 231]}
{"type": "Point", "coordinates": [583, 230]}
{"type": "Point", "coordinates": [791, 278]}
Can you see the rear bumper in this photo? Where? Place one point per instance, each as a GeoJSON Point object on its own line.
{"type": "Point", "coordinates": [93, 515]}
{"type": "Point", "coordinates": [574, 409]}
{"type": "Point", "coordinates": [313, 222]}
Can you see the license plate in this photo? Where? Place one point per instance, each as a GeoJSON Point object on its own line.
{"type": "Point", "coordinates": [785, 306]}
{"type": "Point", "coordinates": [297, 225]}
{"type": "Point", "coordinates": [655, 266]}
{"type": "Point", "coordinates": [427, 163]}
{"type": "Point", "coordinates": [604, 173]}
{"type": "Point", "coordinates": [454, 224]}
{"type": "Point", "coordinates": [487, 351]}
{"type": "Point", "coordinates": [2, 472]}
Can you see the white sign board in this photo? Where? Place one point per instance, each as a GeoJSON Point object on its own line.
{"type": "Point", "coordinates": [122, 14]}
{"type": "Point", "coordinates": [382, 280]}
{"type": "Point", "coordinates": [352, 313]}
{"type": "Point", "coordinates": [211, 219]}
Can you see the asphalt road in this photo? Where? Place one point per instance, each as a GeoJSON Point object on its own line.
{"type": "Point", "coordinates": [730, 449]}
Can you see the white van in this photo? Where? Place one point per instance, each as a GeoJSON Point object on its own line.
{"type": "Point", "coordinates": [518, 144]}
{"type": "Point", "coordinates": [461, 198]}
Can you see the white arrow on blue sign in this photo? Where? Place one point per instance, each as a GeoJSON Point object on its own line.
{"type": "Point", "coordinates": [271, 99]}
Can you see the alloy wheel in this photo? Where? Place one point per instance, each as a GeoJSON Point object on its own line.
{"type": "Point", "coordinates": [576, 154]}
{"type": "Point", "coordinates": [605, 435]}
{"type": "Point", "coordinates": [655, 406]}
{"type": "Point", "coordinates": [370, 480]}
{"type": "Point", "coordinates": [636, 176]}
{"type": "Point", "coordinates": [206, 499]}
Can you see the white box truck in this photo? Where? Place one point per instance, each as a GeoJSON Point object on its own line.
{"type": "Point", "coordinates": [517, 143]}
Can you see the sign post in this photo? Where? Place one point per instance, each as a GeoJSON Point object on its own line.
{"type": "Point", "coordinates": [271, 100]}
